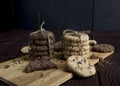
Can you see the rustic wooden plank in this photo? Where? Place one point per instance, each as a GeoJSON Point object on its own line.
{"type": "Point", "coordinates": [30, 77]}
{"type": "Point", "coordinates": [54, 77]}
{"type": "Point", "coordinates": [16, 75]}
{"type": "Point", "coordinates": [103, 55]}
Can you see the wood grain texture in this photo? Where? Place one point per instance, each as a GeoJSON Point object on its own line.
{"type": "Point", "coordinates": [53, 77]}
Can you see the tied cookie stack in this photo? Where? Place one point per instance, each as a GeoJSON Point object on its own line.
{"type": "Point", "coordinates": [42, 44]}
{"type": "Point", "coordinates": [76, 49]}
{"type": "Point", "coordinates": [75, 43]}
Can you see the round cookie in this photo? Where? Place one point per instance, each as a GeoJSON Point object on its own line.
{"type": "Point", "coordinates": [58, 46]}
{"type": "Point", "coordinates": [84, 37]}
{"type": "Point", "coordinates": [82, 48]}
{"type": "Point", "coordinates": [84, 54]}
{"type": "Point", "coordinates": [41, 35]}
{"type": "Point", "coordinates": [41, 58]}
{"type": "Point", "coordinates": [80, 66]}
{"type": "Point", "coordinates": [40, 42]}
{"type": "Point", "coordinates": [103, 48]}
{"type": "Point", "coordinates": [38, 48]}
{"type": "Point", "coordinates": [81, 37]}
{"type": "Point", "coordinates": [69, 53]}
{"type": "Point", "coordinates": [92, 42]}
{"type": "Point", "coordinates": [37, 35]}
{"type": "Point", "coordinates": [86, 47]}
{"type": "Point", "coordinates": [33, 53]}
{"type": "Point", "coordinates": [70, 48]}
{"type": "Point", "coordinates": [74, 44]}
{"type": "Point", "coordinates": [25, 49]}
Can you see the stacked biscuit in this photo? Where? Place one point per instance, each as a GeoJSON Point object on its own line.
{"type": "Point", "coordinates": [42, 45]}
{"type": "Point", "coordinates": [75, 43]}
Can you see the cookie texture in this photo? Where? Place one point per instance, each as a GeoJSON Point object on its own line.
{"type": "Point", "coordinates": [75, 43]}
{"type": "Point", "coordinates": [103, 48]}
{"type": "Point", "coordinates": [80, 66]}
{"type": "Point", "coordinates": [40, 65]}
{"type": "Point", "coordinates": [58, 46]}
{"type": "Point", "coordinates": [25, 49]}
{"type": "Point", "coordinates": [42, 44]}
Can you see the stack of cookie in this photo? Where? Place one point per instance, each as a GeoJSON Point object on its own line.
{"type": "Point", "coordinates": [75, 43]}
{"type": "Point", "coordinates": [42, 45]}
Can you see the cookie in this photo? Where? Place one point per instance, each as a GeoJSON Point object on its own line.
{"type": "Point", "coordinates": [39, 48]}
{"type": "Point", "coordinates": [40, 42]}
{"type": "Point", "coordinates": [82, 48]}
{"type": "Point", "coordinates": [103, 48]}
{"type": "Point", "coordinates": [41, 57]}
{"type": "Point", "coordinates": [80, 37]}
{"type": "Point", "coordinates": [75, 52]}
{"type": "Point", "coordinates": [39, 65]}
{"type": "Point", "coordinates": [80, 66]}
{"type": "Point", "coordinates": [71, 52]}
{"type": "Point", "coordinates": [38, 35]}
{"type": "Point", "coordinates": [58, 46]}
{"type": "Point", "coordinates": [25, 49]}
{"type": "Point", "coordinates": [86, 47]}
{"type": "Point", "coordinates": [43, 35]}
{"type": "Point", "coordinates": [74, 44]}
{"type": "Point", "coordinates": [84, 54]}
{"type": "Point", "coordinates": [92, 42]}
{"type": "Point", "coordinates": [35, 54]}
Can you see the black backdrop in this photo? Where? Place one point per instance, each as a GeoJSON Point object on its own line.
{"type": "Point", "coordinates": [60, 14]}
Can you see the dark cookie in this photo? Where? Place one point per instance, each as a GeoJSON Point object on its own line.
{"type": "Point", "coordinates": [39, 48]}
{"type": "Point", "coordinates": [38, 35]}
{"type": "Point", "coordinates": [42, 58]}
{"type": "Point", "coordinates": [41, 35]}
{"type": "Point", "coordinates": [43, 42]}
{"type": "Point", "coordinates": [40, 65]}
{"type": "Point", "coordinates": [35, 54]}
{"type": "Point", "coordinates": [103, 48]}
{"type": "Point", "coordinates": [40, 42]}
{"type": "Point", "coordinates": [58, 46]}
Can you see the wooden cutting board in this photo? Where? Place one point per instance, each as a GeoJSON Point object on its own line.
{"type": "Point", "coordinates": [12, 71]}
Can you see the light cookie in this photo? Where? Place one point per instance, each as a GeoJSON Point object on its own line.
{"type": "Point", "coordinates": [69, 53]}
{"type": "Point", "coordinates": [92, 42]}
{"type": "Point", "coordinates": [75, 36]}
{"type": "Point", "coordinates": [70, 48]}
{"type": "Point", "coordinates": [86, 47]}
{"type": "Point", "coordinates": [25, 49]}
{"type": "Point", "coordinates": [80, 66]}
{"type": "Point", "coordinates": [74, 44]}
{"type": "Point", "coordinates": [84, 37]}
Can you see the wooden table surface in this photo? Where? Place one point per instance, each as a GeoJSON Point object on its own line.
{"type": "Point", "coordinates": [108, 73]}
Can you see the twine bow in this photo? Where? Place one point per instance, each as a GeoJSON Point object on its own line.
{"type": "Point", "coordinates": [72, 32]}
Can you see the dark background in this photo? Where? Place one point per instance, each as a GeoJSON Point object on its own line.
{"type": "Point", "coordinates": [60, 14]}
